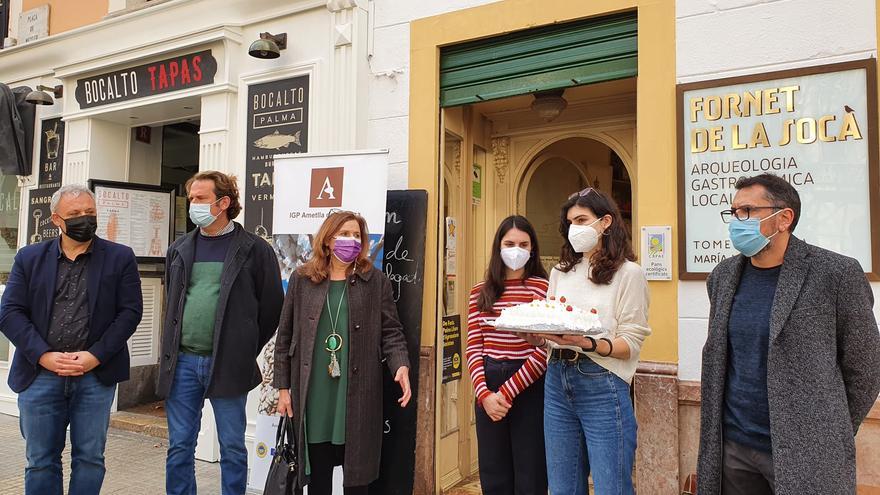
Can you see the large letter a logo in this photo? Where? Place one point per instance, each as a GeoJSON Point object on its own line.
{"type": "Point", "coordinates": [326, 190]}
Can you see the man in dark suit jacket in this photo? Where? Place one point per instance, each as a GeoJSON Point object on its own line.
{"type": "Point", "coordinates": [791, 365]}
{"type": "Point", "coordinates": [69, 307]}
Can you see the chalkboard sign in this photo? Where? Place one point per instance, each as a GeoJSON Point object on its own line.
{"type": "Point", "coordinates": [403, 264]}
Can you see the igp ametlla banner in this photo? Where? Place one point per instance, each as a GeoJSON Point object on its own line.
{"type": "Point", "coordinates": [309, 187]}
{"type": "Point", "coordinates": [815, 127]}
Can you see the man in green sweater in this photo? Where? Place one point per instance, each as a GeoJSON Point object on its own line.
{"type": "Point", "coordinates": [223, 298]}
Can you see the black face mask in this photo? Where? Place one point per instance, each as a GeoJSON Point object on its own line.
{"type": "Point", "coordinates": [82, 228]}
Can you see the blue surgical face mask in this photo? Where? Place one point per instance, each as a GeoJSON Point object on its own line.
{"type": "Point", "coordinates": [746, 235]}
{"type": "Point", "coordinates": [200, 214]}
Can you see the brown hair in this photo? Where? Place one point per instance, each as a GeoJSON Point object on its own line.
{"type": "Point", "coordinates": [494, 286]}
{"type": "Point", "coordinates": [224, 186]}
{"type": "Point", "coordinates": [614, 246]}
{"type": "Point", "coordinates": [318, 266]}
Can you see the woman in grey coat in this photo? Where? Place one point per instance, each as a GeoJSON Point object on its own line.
{"type": "Point", "coordinates": [338, 325]}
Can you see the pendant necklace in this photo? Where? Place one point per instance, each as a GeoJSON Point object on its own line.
{"type": "Point", "coordinates": [333, 342]}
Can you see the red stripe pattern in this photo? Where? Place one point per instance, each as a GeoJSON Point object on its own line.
{"type": "Point", "coordinates": [484, 340]}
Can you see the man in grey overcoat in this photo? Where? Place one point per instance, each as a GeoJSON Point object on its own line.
{"type": "Point", "coordinates": [791, 365]}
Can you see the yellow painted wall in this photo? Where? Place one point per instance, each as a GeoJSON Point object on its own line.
{"type": "Point", "coordinates": [65, 15]}
{"type": "Point", "coordinates": [655, 183]}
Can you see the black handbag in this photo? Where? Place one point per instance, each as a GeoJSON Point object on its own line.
{"type": "Point", "coordinates": [282, 473]}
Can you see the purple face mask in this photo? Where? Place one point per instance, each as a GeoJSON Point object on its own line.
{"type": "Point", "coordinates": [346, 249]}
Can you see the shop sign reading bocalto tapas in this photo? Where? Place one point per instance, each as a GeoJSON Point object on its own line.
{"type": "Point", "coordinates": [815, 127]}
{"type": "Point", "coordinates": [163, 76]}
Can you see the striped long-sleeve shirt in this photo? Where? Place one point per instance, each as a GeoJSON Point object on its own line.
{"type": "Point", "coordinates": [484, 340]}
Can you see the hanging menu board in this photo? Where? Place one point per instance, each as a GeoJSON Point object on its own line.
{"type": "Point", "coordinates": [139, 216]}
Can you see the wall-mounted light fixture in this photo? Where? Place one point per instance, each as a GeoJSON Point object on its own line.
{"type": "Point", "coordinates": [39, 96]}
{"type": "Point", "coordinates": [268, 46]}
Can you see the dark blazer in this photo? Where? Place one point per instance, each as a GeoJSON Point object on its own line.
{"type": "Point", "coordinates": [375, 335]}
{"type": "Point", "coordinates": [823, 370]}
{"type": "Point", "coordinates": [30, 294]}
{"type": "Point", "coordinates": [247, 311]}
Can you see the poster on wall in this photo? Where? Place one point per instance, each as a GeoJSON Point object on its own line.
{"type": "Point", "coordinates": [39, 224]}
{"type": "Point", "coordinates": [277, 123]}
{"type": "Point", "coordinates": [655, 252]}
{"type": "Point", "coordinates": [451, 327]}
{"type": "Point", "coordinates": [815, 127]}
{"type": "Point", "coordinates": [139, 216]}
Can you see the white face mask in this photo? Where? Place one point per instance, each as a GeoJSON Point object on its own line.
{"type": "Point", "coordinates": [583, 238]}
{"type": "Point", "coordinates": [515, 257]}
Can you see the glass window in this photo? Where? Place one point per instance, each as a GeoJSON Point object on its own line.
{"type": "Point", "coordinates": [10, 202]}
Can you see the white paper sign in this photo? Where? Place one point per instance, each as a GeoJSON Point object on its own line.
{"type": "Point", "coordinates": [812, 130]}
{"type": "Point", "coordinates": [139, 219]}
{"type": "Point", "coordinates": [262, 450]}
{"type": "Point", "coordinates": [656, 255]}
{"type": "Point", "coordinates": [310, 187]}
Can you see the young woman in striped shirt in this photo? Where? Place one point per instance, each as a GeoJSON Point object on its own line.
{"type": "Point", "coordinates": [507, 371]}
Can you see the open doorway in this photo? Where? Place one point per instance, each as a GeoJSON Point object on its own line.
{"type": "Point", "coordinates": [165, 155]}
{"type": "Point", "coordinates": [564, 167]}
{"type": "Point", "coordinates": [508, 156]}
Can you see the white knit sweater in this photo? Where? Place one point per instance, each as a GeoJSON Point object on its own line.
{"type": "Point", "coordinates": [622, 307]}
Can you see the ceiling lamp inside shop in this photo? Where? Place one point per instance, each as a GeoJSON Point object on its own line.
{"type": "Point", "coordinates": [268, 46]}
{"type": "Point", "coordinates": [549, 104]}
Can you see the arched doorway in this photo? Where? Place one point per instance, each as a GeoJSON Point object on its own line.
{"type": "Point", "coordinates": [565, 167]}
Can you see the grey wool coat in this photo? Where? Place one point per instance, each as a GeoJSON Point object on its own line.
{"type": "Point", "coordinates": [375, 336]}
{"type": "Point", "coordinates": [823, 370]}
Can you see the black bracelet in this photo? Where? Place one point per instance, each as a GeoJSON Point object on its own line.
{"type": "Point", "coordinates": [592, 341]}
{"type": "Point", "coordinates": [610, 347]}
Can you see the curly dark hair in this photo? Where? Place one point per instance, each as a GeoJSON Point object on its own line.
{"type": "Point", "coordinates": [614, 245]}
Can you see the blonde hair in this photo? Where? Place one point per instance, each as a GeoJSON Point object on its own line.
{"type": "Point", "coordinates": [318, 267]}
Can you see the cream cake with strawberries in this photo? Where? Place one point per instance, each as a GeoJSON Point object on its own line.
{"type": "Point", "coordinates": [550, 316]}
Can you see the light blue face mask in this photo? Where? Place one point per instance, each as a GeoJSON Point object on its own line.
{"type": "Point", "coordinates": [746, 235]}
{"type": "Point", "coordinates": [200, 214]}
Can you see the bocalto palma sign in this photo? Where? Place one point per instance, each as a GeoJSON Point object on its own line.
{"type": "Point", "coordinates": [163, 76]}
{"type": "Point", "coordinates": [815, 127]}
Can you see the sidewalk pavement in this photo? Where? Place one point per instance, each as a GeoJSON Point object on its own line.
{"type": "Point", "coordinates": [135, 464]}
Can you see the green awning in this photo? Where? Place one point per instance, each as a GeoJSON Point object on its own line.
{"type": "Point", "coordinates": [541, 59]}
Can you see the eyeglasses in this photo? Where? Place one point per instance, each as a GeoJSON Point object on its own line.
{"type": "Point", "coordinates": [580, 193]}
{"type": "Point", "coordinates": [744, 213]}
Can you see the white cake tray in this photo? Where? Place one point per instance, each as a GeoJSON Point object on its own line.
{"type": "Point", "coordinates": [552, 330]}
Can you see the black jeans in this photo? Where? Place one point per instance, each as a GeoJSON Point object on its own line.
{"type": "Point", "coordinates": [323, 457]}
{"type": "Point", "coordinates": [746, 471]}
{"type": "Point", "coordinates": [511, 451]}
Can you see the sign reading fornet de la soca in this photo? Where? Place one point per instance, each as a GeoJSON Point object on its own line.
{"type": "Point", "coordinates": [310, 187]}
{"type": "Point", "coordinates": [812, 127]}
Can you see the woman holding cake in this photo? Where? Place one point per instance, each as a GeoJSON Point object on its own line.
{"type": "Point", "coordinates": [589, 422]}
{"type": "Point", "coordinates": [507, 371]}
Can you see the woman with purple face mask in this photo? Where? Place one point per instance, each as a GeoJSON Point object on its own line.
{"type": "Point", "coordinates": [339, 324]}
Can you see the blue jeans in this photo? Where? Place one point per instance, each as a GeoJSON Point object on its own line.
{"type": "Point", "coordinates": [46, 408]}
{"type": "Point", "coordinates": [589, 425]}
{"type": "Point", "coordinates": [184, 409]}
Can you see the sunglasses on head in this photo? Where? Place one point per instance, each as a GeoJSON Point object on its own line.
{"type": "Point", "coordinates": [581, 193]}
